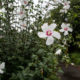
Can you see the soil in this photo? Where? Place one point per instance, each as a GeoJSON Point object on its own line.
{"type": "Point", "coordinates": [70, 72]}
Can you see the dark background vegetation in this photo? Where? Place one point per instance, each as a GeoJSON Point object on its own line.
{"type": "Point", "coordinates": [18, 50]}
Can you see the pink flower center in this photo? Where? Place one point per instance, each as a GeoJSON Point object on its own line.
{"type": "Point", "coordinates": [66, 29]}
{"type": "Point", "coordinates": [65, 4]}
{"type": "Point", "coordinates": [25, 2]}
{"type": "Point", "coordinates": [21, 12]}
{"type": "Point", "coordinates": [23, 25]}
{"type": "Point", "coordinates": [49, 33]}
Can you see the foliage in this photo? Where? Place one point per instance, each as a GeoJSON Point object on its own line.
{"type": "Point", "coordinates": [75, 58]}
{"type": "Point", "coordinates": [27, 57]}
{"type": "Point", "coordinates": [74, 18]}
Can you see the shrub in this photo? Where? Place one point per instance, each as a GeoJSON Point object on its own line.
{"type": "Point", "coordinates": [26, 55]}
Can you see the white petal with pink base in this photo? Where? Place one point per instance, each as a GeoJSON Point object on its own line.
{"type": "Point", "coordinates": [24, 2]}
{"type": "Point", "coordinates": [65, 28]}
{"type": "Point", "coordinates": [66, 6]}
{"type": "Point", "coordinates": [49, 33]}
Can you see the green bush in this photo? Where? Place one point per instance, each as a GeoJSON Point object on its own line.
{"type": "Point", "coordinates": [27, 57]}
{"type": "Point", "coordinates": [74, 18]}
{"type": "Point", "coordinates": [75, 58]}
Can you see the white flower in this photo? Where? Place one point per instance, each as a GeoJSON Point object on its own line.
{"type": "Point", "coordinates": [23, 25]}
{"type": "Point", "coordinates": [66, 19]}
{"type": "Point", "coordinates": [72, 64]}
{"type": "Point", "coordinates": [24, 2]}
{"type": "Point", "coordinates": [53, 21]}
{"type": "Point", "coordinates": [63, 11]}
{"type": "Point", "coordinates": [30, 30]}
{"type": "Point", "coordinates": [49, 33]}
{"type": "Point", "coordinates": [65, 28]}
{"type": "Point", "coordinates": [2, 66]}
{"type": "Point", "coordinates": [22, 13]}
{"type": "Point", "coordinates": [35, 27]}
{"type": "Point", "coordinates": [1, 29]}
{"type": "Point", "coordinates": [2, 10]}
{"type": "Point", "coordinates": [58, 1]}
{"type": "Point", "coordinates": [58, 52]}
{"type": "Point", "coordinates": [66, 6]}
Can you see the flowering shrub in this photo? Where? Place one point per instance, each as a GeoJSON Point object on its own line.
{"type": "Point", "coordinates": [48, 31]}
{"type": "Point", "coordinates": [65, 28]}
{"type": "Point", "coordinates": [26, 55]}
{"type": "Point", "coordinates": [66, 6]}
{"type": "Point", "coordinates": [74, 19]}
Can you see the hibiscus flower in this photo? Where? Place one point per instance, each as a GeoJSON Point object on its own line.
{"type": "Point", "coordinates": [48, 33]}
{"type": "Point", "coordinates": [65, 28]}
{"type": "Point", "coordinates": [24, 2]}
{"type": "Point", "coordinates": [2, 66]}
{"type": "Point", "coordinates": [66, 6]}
{"type": "Point", "coordinates": [58, 52]}
{"type": "Point", "coordinates": [22, 13]}
{"type": "Point", "coordinates": [2, 10]}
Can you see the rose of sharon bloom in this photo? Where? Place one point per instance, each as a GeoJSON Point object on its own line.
{"type": "Point", "coordinates": [23, 25]}
{"type": "Point", "coordinates": [65, 28]}
{"type": "Point", "coordinates": [2, 66]}
{"type": "Point", "coordinates": [58, 52]}
{"type": "Point", "coordinates": [30, 30]}
{"type": "Point", "coordinates": [24, 2]}
{"type": "Point", "coordinates": [2, 10]}
{"type": "Point", "coordinates": [49, 33]}
{"type": "Point", "coordinates": [66, 6]}
{"type": "Point", "coordinates": [22, 14]}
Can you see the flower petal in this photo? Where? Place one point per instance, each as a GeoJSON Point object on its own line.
{"type": "Point", "coordinates": [42, 35]}
{"type": "Point", "coordinates": [63, 25]}
{"type": "Point", "coordinates": [62, 11]}
{"type": "Point", "coordinates": [44, 27]}
{"type": "Point", "coordinates": [67, 25]}
{"type": "Point", "coordinates": [61, 30]}
{"type": "Point", "coordinates": [1, 71]}
{"type": "Point", "coordinates": [56, 35]}
{"type": "Point", "coordinates": [65, 11]}
{"type": "Point", "coordinates": [50, 40]}
{"type": "Point", "coordinates": [66, 33]}
{"type": "Point", "coordinates": [52, 26]}
{"type": "Point", "coordinates": [66, 7]}
{"type": "Point", "coordinates": [70, 29]}
{"type": "Point", "coordinates": [58, 52]}
{"type": "Point", "coordinates": [2, 65]}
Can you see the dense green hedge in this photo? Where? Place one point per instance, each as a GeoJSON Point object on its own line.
{"type": "Point", "coordinates": [25, 59]}
{"type": "Point", "coordinates": [25, 54]}
{"type": "Point", "coordinates": [75, 20]}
